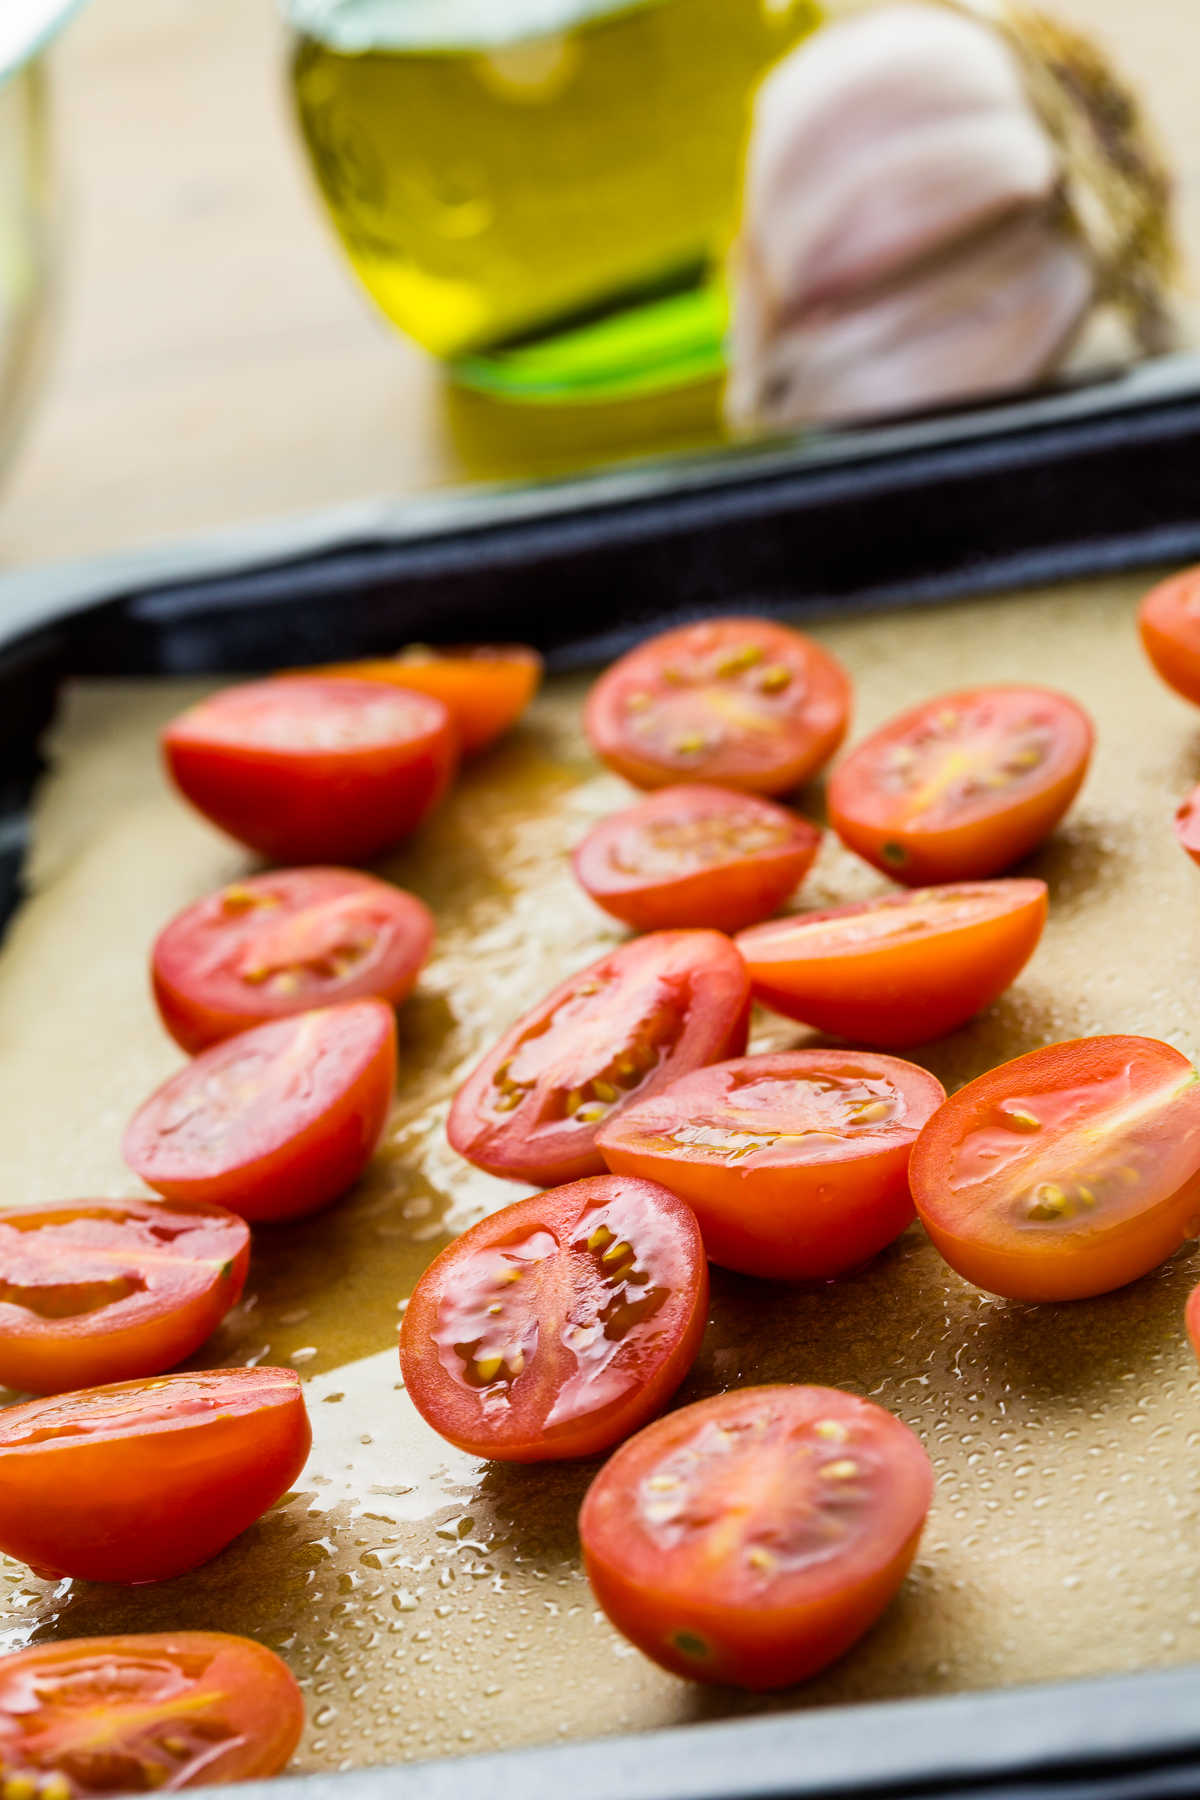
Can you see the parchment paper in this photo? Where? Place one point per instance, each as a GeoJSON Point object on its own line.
{"type": "Point", "coordinates": [430, 1603]}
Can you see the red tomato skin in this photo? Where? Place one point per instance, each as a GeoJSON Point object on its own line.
{"type": "Point", "coordinates": [705, 970]}
{"type": "Point", "coordinates": [200, 1005]}
{"type": "Point", "coordinates": [1192, 1319]}
{"type": "Point", "coordinates": [447, 1406]}
{"type": "Point", "coordinates": [485, 686]}
{"type": "Point", "coordinates": [726, 895]}
{"type": "Point", "coordinates": [314, 806]}
{"type": "Point", "coordinates": [907, 993]}
{"type": "Point", "coordinates": [1094, 1264]}
{"type": "Point", "coordinates": [759, 1647]}
{"type": "Point", "coordinates": [824, 1636]}
{"type": "Point", "coordinates": [784, 1221]}
{"type": "Point", "coordinates": [826, 711]}
{"type": "Point", "coordinates": [300, 1173]}
{"type": "Point", "coordinates": [132, 1506]}
{"type": "Point", "coordinates": [231, 1706]}
{"type": "Point", "coordinates": [968, 851]}
{"type": "Point", "coordinates": [144, 1334]}
{"type": "Point", "coordinates": [1169, 623]}
{"type": "Point", "coordinates": [1187, 825]}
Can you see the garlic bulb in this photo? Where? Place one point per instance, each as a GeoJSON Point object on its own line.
{"type": "Point", "coordinates": [938, 200]}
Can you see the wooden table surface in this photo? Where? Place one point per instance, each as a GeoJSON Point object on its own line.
{"type": "Point", "coordinates": [216, 361]}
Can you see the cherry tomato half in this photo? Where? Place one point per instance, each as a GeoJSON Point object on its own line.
{"type": "Point", "coordinates": [1169, 621]}
{"type": "Point", "coordinates": [962, 786]}
{"type": "Point", "coordinates": [1068, 1172]}
{"type": "Point", "coordinates": [313, 769]}
{"type": "Point", "coordinates": [619, 1030]}
{"type": "Point", "coordinates": [486, 687]}
{"type": "Point", "coordinates": [105, 1290]}
{"type": "Point", "coordinates": [901, 969]}
{"type": "Point", "coordinates": [752, 1538]}
{"type": "Point", "coordinates": [144, 1480]}
{"type": "Point", "coordinates": [744, 703]}
{"type": "Point", "coordinates": [560, 1324]}
{"type": "Point", "coordinates": [274, 1122]}
{"type": "Point", "coordinates": [153, 1713]}
{"type": "Point", "coordinates": [284, 943]}
{"type": "Point", "coordinates": [1192, 1319]}
{"type": "Point", "coordinates": [1187, 825]}
{"type": "Point", "coordinates": [696, 856]}
{"type": "Point", "coordinates": [796, 1165]}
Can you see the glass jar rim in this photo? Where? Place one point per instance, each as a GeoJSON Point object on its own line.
{"type": "Point", "coordinates": [358, 26]}
{"type": "Point", "coordinates": [26, 27]}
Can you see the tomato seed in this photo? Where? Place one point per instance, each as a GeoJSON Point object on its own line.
{"type": "Point", "coordinates": [736, 662]}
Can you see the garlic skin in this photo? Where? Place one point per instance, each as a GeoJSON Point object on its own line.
{"type": "Point", "coordinates": [907, 237]}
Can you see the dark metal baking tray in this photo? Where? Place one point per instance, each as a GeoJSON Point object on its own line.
{"type": "Point", "coordinates": [1067, 485]}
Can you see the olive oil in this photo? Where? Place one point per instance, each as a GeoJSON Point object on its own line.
{"type": "Point", "coordinates": [547, 212]}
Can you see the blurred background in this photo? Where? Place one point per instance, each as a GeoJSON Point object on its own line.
{"type": "Point", "coordinates": [215, 359]}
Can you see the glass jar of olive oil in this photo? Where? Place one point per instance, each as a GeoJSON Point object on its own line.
{"type": "Point", "coordinates": [540, 191]}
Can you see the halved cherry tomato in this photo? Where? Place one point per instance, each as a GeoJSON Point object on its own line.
{"type": "Point", "coordinates": [1169, 621]}
{"type": "Point", "coordinates": [485, 686]}
{"type": "Point", "coordinates": [1192, 1319]}
{"type": "Point", "coordinates": [313, 769]}
{"type": "Point", "coordinates": [274, 1122]}
{"type": "Point", "coordinates": [796, 1165]}
{"type": "Point", "coordinates": [618, 1030]}
{"type": "Point", "coordinates": [1068, 1172]}
{"type": "Point", "coordinates": [962, 786]}
{"type": "Point", "coordinates": [560, 1324]}
{"type": "Point", "coordinates": [104, 1290]}
{"type": "Point", "coordinates": [696, 856]}
{"type": "Point", "coordinates": [144, 1480]}
{"type": "Point", "coordinates": [1187, 824]}
{"type": "Point", "coordinates": [744, 703]}
{"type": "Point", "coordinates": [284, 943]}
{"type": "Point", "coordinates": [753, 1538]}
{"type": "Point", "coordinates": [146, 1714]}
{"type": "Point", "coordinates": [900, 969]}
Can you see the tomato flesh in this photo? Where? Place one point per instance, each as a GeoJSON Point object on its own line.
{"type": "Point", "coordinates": [1192, 1319]}
{"type": "Point", "coordinates": [313, 769]}
{"type": "Point", "coordinates": [901, 969]}
{"type": "Point", "coordinates": [1065, 1173]}
{"type": "Point", "coordinates": [696, 856]}
{"type": "Point", "coordinates": [143, 1480]}
{"type": "Point", "coordinates": [560, 1324]}
{"type": "Point", "coordinates": [486, 687]}
{"type": "Point", "coordinates": [106, 1290]}
{"type": "Point", "coordinates": [751, 1539]}
{"type": "Point", "coordinates": [1187, 825]}
{"type": "Point", "coordinates": [796, 1165]}
{"type": "Point", "coordinates": [1169, 622]}
{"type": "Point", "coordinates": [144, 1714]}
{"type": "Point", "coordinates": [742, 702]}
{"type": "Point", "coordinates": [275, 1122]}
{"type": "Point", "coordinates": [285, 943]}
{"type": "Point", "coordinates": [963, 786]}
{"type": "Point", "coordinates": [618, 1030]}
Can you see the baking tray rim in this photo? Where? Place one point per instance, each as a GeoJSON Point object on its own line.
{"type": "Point", "coordinates": [1039, 1741]}
{"type": "Point", "coordinates": [46, 594]}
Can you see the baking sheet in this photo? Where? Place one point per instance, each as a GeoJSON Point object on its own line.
{"type": "Point", "coordinates": [431, 1604]}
